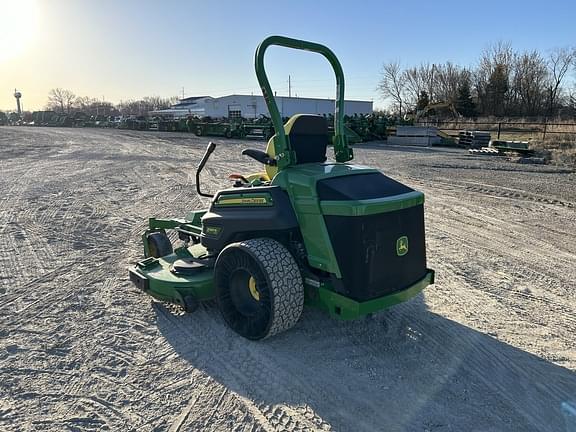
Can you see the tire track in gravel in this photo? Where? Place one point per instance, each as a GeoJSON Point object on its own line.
{"type": "Point", "coordinates": [9, 259]}
{"type": "Point", "coordinates": [63, 210]}
{"type": "Point", "coordinates": [62, 272]}
{"type": "Point", "coordinates": [35, 307]}
{"type": "Point", "coordinates": [11, 197]}
{"type": "Point", "coordinates": [408, 368]}
{"type": "Point", "coordinates": [497, 191]}
{"type": "Point", "coordinates": [530, 386]}
{"type": "Point", "coordinates": [239, 369]}
{"type": "Point", "coordinates": [489, 239]}
{"type": "Point", "coordinates": [275, 371]}
{"type": "Point", "coordinates": [521, 279]}
{"type": "Point", "coordinates": [68, 295]}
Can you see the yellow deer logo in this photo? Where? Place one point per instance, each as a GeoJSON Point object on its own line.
{"type": "Point", "coordinates": [402, 246]}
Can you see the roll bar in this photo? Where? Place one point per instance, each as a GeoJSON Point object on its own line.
{"type": "Point", "coordinates": [284, 154]}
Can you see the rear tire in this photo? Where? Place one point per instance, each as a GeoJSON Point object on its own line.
{"type": "Point", "coordinates": [159, 244]}
{"type": "Point", "coordinates": [259, 288]}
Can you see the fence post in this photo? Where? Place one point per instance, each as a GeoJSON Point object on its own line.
{"type": "Point", "coordinates": [544, 132]}
{"type": "Point", "coordinates": [499, 129]}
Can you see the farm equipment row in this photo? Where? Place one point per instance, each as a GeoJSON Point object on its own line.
{"type": "Point", "coordinates": [358, 128]}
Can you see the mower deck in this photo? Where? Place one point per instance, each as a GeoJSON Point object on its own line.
{"type": "Point", "coordinates": [156, 277]}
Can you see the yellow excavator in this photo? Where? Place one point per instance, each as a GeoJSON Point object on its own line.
{"type": "Point", "coordinates": [435, 111]}
{"type": "Point", "coordinates": [438, 109]}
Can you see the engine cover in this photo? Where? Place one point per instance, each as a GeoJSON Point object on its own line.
{"type": "Point", "coordinates": [240, 213]}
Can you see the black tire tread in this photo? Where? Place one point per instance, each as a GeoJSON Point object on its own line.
{"type": "Point", "coordinates": [284, 279]}
{"type": "Point", "coordinates": [159, 244]}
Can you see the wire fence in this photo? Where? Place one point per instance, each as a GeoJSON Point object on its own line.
{"type": "Point", "coordinates": [512, 130]}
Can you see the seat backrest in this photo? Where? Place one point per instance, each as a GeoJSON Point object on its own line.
{"type": "Point", "coordinates": [308, 137]}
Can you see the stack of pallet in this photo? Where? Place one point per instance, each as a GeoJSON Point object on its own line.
{"type": "Point", "coordinates": [502, 147]}
{"type": "Point", "coordinates": [522, 147]}
{"type": "Point", "coordinates": [474, 139]}
{"type": "Point", "coordinates": [485, 150]}
{"type": "Point", "coordinates": [423, 136]}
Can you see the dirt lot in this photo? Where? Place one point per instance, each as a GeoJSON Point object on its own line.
{"type": "Point", "coordinates": [490, 347]}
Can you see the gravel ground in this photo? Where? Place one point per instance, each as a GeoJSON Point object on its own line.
{"type": "Point", "coordinates": [490, 347]}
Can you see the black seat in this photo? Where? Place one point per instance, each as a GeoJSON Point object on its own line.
{"type": "Point", "coordinates": [308, 135]}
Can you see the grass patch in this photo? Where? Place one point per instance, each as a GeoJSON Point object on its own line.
{"type": "Point", "coordinates": [559, 149]}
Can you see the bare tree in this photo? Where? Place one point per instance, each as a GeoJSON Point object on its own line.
{"type": "Point", "coordinates": [414, 85]}
{"type": "Point", "coordinates": [61, 100]}
{"type": "Point", "coordinates": [426, 72]}
{"type": "Point", "coordinates": [95, 107]}
{"type": "Point", "coordinates": [528, 89]}
{"type": "Point", "coordinates": [494, 67]}
{"type": "Point", "coordinates": [419, 79]}
{"type": "Point", "coordinates": [559, 62]}
{"type": "Point", "coordinates": [570, 101]}
{"type": "Point", "coordinates": [143, 106]}
{"type": "Point", "coordinates": [505, 82]}
{"type": "Point", "coordinates": [84, 102]}
{"type": "Point", "coordinates": [393, 84]}
{"type": "Point", "coordinates": [447, 79]}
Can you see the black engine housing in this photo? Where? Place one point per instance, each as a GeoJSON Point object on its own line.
{"type": "Point", "coordinates": [240, 222]}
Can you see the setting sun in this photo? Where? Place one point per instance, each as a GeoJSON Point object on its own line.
{"type": "Point", "coordinates": [18, 26]}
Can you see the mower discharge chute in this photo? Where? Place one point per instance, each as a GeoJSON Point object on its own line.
{"type": "Point", "coordinates": [342, 237]}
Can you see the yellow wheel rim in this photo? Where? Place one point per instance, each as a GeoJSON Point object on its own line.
{"type": "Point", "coordinates": [253, 291]}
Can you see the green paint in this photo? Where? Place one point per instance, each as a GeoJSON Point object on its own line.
{"type": "Point", "coordinates": [165, 285]}
{"type": "Point", "coordinates": [372, 206]}
{"type": "Point", "coordinates": [300, 182]}
{"type": "Point", "coordinates": [344, 308]}
{"type": "Point", "coordinates": [284, 155]}
{"type": "Point", "coordinates": [157, 224]}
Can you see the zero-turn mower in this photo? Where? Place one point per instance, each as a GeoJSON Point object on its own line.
{"type": "Point", "coordinates": [342, 237]}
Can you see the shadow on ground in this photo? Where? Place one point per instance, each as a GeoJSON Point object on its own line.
{"type": "Point", "coordinates": [404, 369]}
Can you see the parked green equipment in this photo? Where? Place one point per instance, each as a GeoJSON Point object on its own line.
{"type": "Point", "coordinates": [334, 235]}
{"type": "Point", "coordinates": [520, 147]}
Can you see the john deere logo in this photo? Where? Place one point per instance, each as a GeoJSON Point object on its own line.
{"type": "Point", "coordinates": [402, 246]}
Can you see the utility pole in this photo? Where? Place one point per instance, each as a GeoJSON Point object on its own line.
{"type": "Point", "coordinates": [182, 92]}
{"type": "Point", "coordinates": [289, 87]}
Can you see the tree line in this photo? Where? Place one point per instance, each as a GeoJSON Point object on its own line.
{"type": "Point", "coordinates": [504, 82]}
{"type": "Point", "coordinates": [66, 102]}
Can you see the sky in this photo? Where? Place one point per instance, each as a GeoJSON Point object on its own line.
{"type": "Point", "coordinates": [127, 49]}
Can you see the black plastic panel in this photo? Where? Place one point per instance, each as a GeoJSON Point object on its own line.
{"type": "Point", "coordinates": [365, 247]}
{"type": "Point", "coordinates": [243, 222]}
{"type": "Point", "coordinates": [359, 187]}
{"type": "Point", "coordinates": [140, 281]}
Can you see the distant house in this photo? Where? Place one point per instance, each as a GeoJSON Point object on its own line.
{"type": "Point", "coordinates": [249, 106]}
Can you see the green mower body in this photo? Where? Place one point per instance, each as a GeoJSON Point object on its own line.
{"type": "Point", "coordinates": [341, 237]}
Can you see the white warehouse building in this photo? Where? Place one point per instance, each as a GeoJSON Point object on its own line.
{"type": "Point", "coordinates": [248, 106]}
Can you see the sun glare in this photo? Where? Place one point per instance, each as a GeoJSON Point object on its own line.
{"type": "Point", "coordinates": [18, 27]}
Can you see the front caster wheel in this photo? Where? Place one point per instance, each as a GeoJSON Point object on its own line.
{"type": "Point", "coordinates": [159, 245]}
